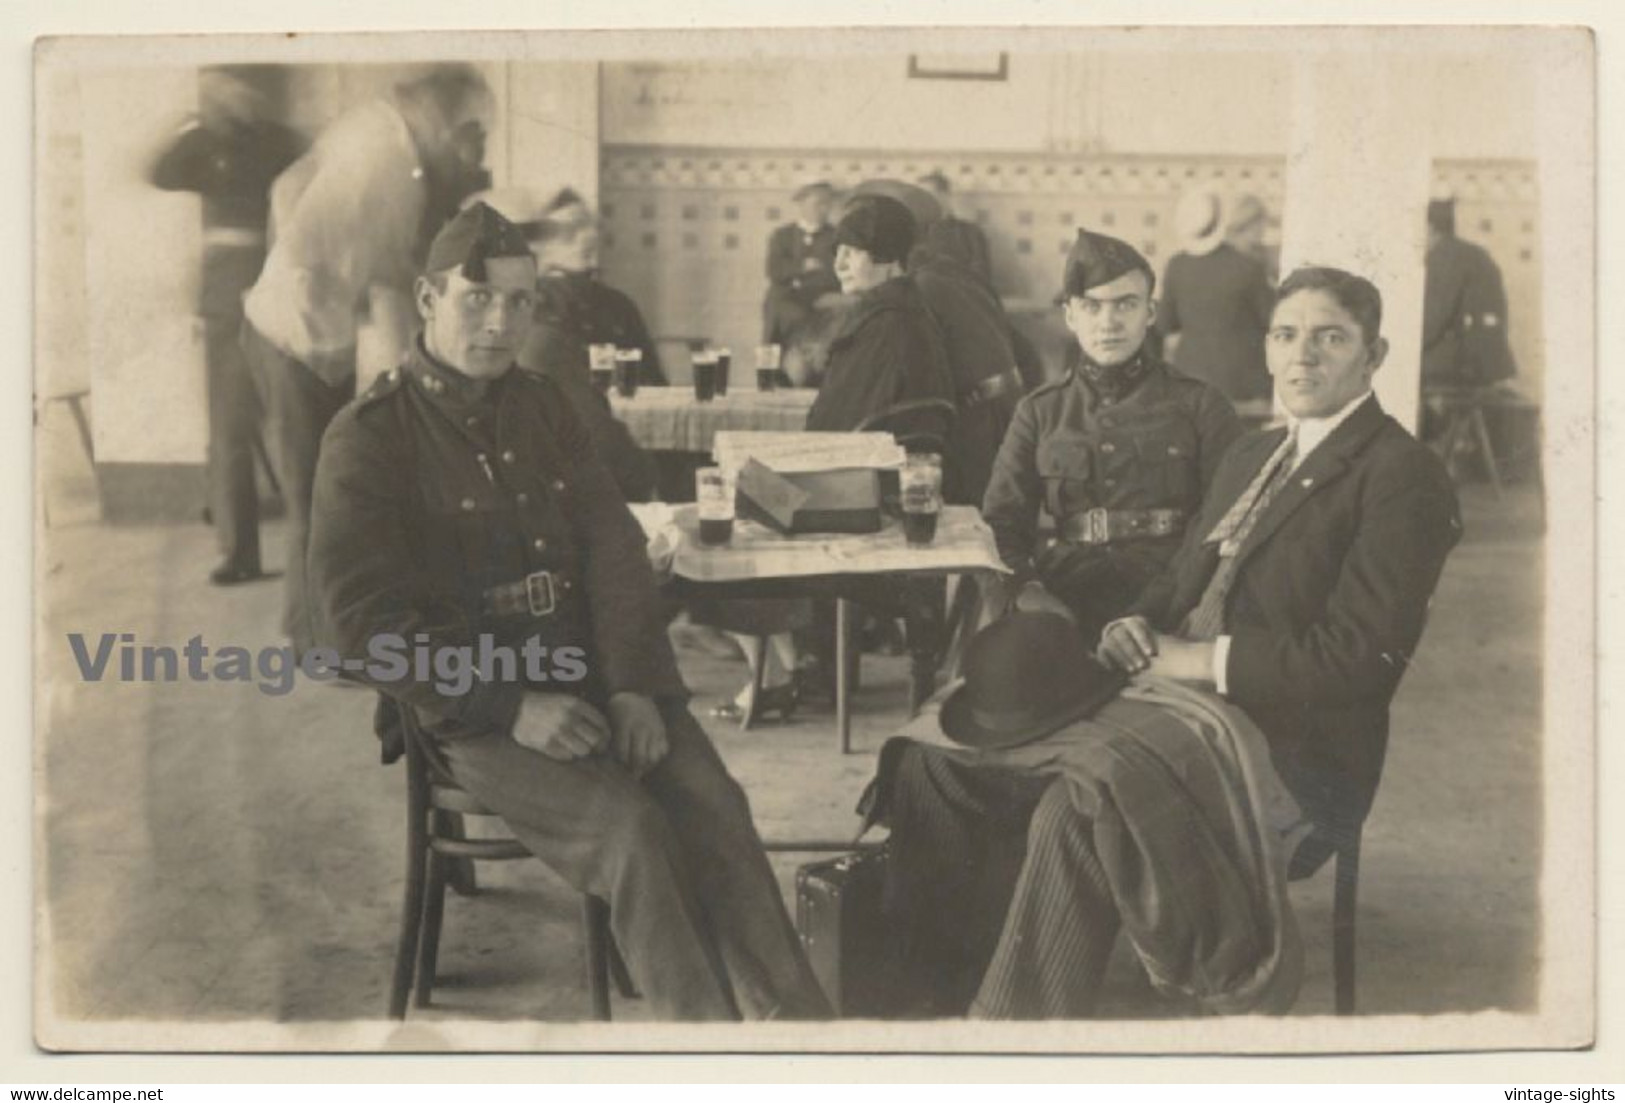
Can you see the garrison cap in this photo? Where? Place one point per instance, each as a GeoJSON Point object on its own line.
{"type": "Point", "coordinates": [817, 186]}
{"type": "Point", "coordinates": [476, 235]}
{"type": "Point", "coordinates": [1096, 259]}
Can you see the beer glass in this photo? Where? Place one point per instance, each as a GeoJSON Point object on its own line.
{"type": "Point", "coordinates": [601, 362]}
{"type": "Point", "coordinates": [628, 366]}
{"type": "Point", "coordinates": [705, 376]}
{"type": "Point", "coordinates": [725, 359]}
{"type": "Point", "coordinates": [714, 497]}
{"type": "Point", "coordinates": [767, 366]}
{"type": "Point", "coordinates": [921, 491]}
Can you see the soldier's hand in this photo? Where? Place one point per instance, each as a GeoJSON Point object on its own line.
{"type": "Point", "coordinates": [1035, 598]}
{"type": "Point", "coordinates": [637, 732]}
{"type": "Point", "coordinates": [1128, 644]}
{"type": "Point", "coordinates": [560, 726]}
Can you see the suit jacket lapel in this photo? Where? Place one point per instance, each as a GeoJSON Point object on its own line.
{"type": "Point", "coordinates": [1325, 465]}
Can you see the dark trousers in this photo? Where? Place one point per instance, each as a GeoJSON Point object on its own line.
{"type": "Point", "coordinates": [298, 407]}
{"type": "Point", "coordinates": [995, 893]}
{"type": "Point", "coordinates": [693, 901]}
{"type": "Point", "coordinates": [234, 426]}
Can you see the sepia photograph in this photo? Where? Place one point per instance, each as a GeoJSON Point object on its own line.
{"type": "Point", "coordinates": [913, 540]}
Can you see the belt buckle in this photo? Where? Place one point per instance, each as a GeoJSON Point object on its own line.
{"type": "Point", "coordinates": [539, 593]}
{"type": "Point", "coordinates": [1097, 526]}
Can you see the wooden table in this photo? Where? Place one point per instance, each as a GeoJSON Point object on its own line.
{"type": "Point", "coordinates": [760, 563]}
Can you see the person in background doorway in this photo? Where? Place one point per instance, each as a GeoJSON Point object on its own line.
{"type": "Point", "coordinates": [803, 300]}
{"type": "Point", "coordinates": [1216, 296]}
{"type": "Point", "coordinates": [228, 155]}
{"type": "Point", "coordinates": [577, 309]}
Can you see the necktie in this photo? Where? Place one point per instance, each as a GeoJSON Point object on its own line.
{"type": "Point", "coordinates": [1206, 621]}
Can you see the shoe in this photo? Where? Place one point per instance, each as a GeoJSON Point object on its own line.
{"type": "Point", "coordinates": [728, 710]}
{"type": "Point", "coordinates": [782, 699]}
{"type": "Point", "coordinates": [227, 575]}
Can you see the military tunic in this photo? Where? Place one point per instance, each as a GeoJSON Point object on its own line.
{"type": "Point", "coordinates": [575, 310]}
{"type": "Point", "coordinates": [435, 491]}
{"type": "Point", "coordinates": [1464, 317]}
{"type": "Point", "coordinates": [1070, 451]}
{"type": "Point", "coordinates": [794, 287]}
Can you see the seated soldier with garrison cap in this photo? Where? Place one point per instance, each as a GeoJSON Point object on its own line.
{"type": "Point", "coordinates": [1119, 451]}
{"type": "Point", "coordinates": [460, 503]}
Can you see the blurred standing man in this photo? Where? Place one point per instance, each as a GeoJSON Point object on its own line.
{"type": "Point", "coordinates": [229, 155]}
{"type": "Point", "coordinates": [349, 221]}
{"type": "Point", "coordinates": [800, 266]}
{"type": "Point", "coordinates": [1120, 451]}
{"type": "Point", "coordinates": [1464, 308]}
{"type": "Point", "coordinates": [1216, 297]}
{"type": "Point", "coordinates": [459, 503]}
{"type": "Point", "coordinates": [955, 237]}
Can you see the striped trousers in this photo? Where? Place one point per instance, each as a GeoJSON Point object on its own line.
{"type": "Point", "coordinates": [995, 894]}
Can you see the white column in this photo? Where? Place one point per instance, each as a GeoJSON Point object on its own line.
{"type": "Point", "coordinates": [551, 128]}
{"type": "Point", "coordinates": [1357, 188]}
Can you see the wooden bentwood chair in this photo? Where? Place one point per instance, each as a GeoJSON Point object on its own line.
{"type": "Point", "coordinates": [1343, 850]}
{"type": "Point", "coordinates": [438, 854]}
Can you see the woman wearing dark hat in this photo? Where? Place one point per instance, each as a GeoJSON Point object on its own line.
{"type": "Point", "coordinates": [888, 350]}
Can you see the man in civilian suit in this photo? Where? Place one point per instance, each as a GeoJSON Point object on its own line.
{"type": "Point", "coordinates": [1299, 593]}
{"type": "Point", "coordinates": [1306, 614]}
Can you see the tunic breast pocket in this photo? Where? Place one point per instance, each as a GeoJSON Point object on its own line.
{"type": "Point", "coordinates": [1169, 457]}
{"type": "Point", "coordinates": [1066, 465]}
{"type": "Point", "coordinates": [471, 537]}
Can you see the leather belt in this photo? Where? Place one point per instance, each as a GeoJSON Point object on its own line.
{"type": "Point", "coordinates": [1104, 526]}
{"type": "Point", "coordinates": [536, 595]}
{"type": "Point", "coordinates": [994, 386]}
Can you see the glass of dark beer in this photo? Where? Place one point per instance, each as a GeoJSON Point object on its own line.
{"type": "Point", "coordinates": [920, 485]}
{"type": "Point", "coordinates": [714, 499]}
{"type": "Point", "coordinates": [705, 376]}
{"type": "Point", "coordinates": [628, 366]}
{"type": "Point", "coordinates": [767, 366]}
{"type": "Point", "coordinates": [601, 361]}
{"type": "Point", "coordinates": [725, 359]}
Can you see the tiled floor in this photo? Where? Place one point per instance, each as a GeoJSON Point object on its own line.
{"type": "Point", "coordinates": [217, 853]}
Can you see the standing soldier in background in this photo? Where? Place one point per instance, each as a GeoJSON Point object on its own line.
{"type": "Point", "coordinates": [348, 226]}
{"type": "Point", "coordinates": [1464, 308]}
{"type": "Point", "coordinates": [1119, 451]}
{"type": "Point", "coordinates": [228, 155]}
{"type": "Point", "coordinates": [955, 237]}
{"type": "Point", "coordinates": [1216, 296]}
{"type": "Point", "coordinates": [801, 283]}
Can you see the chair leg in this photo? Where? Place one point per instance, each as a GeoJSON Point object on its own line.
{"type": "Point", "coordinates": [460, 875]}
{"type": "Point", "coordinates": [406, 948]}
{"type": "Point", "coordinates": [1344, 901]}
{"type": "Point", "coordinates": [618, 972]}
{"type": "Point", "coordinates": [434, 906]}
{"type": "Point", "coordinates": [595, 926]}
{"type": "Point", "coordinates": [1481, 431]}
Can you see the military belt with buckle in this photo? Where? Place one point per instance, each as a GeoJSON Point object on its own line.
{"type": "Point", "coordinates": [535, 595]}
{"type": "Point", "coordinates": [1106, 526]}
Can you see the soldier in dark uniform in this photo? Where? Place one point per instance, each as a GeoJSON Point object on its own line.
{"type": "Point", "coordinates": [459, 500]}
{"type": "Point", "coordinates": [800, 267]}
{"type": "Point", "coordinates": [1119, 451]}
{"type": "Point", "coordinates": [229, 155]}
{"type": "Point", "coordinates": [575, 308]}
{"type": "Point", "coordinates": [1464, 309]}
{"type": "Point", "coordinates": [955, 237]}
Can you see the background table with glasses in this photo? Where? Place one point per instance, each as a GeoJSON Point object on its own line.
{"type": "Point", "coordinates": [671, 419]}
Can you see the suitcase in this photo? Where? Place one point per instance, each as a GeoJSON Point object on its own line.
{"type": "Point", "coordinates": [838, 914]}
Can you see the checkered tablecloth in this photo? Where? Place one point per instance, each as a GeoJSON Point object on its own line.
{"type": "Point", "coordinates": [671, 419]}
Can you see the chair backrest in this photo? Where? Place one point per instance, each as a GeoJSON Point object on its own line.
{"type": "Point", "coordinates": [920, 424]}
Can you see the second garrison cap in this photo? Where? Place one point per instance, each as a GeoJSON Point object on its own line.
{"type": "Point", "coordinates": [476, 235]}
{"type": "Point", "coordinates": [1095, 259]}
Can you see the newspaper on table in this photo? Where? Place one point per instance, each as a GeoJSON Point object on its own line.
{"type": "Point", "coordinates": [806, 450]}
